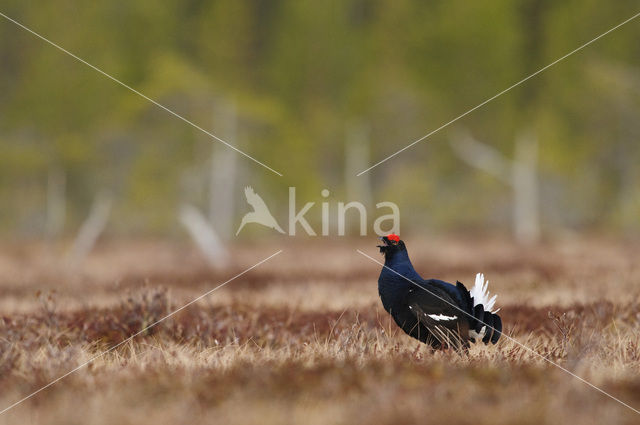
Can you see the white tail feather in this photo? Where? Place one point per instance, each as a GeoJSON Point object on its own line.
{"type": "Point", "coordinates": [480, 294]}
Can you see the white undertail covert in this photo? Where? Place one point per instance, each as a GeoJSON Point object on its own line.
{"type": "Point", "coordinates": [481, 295]}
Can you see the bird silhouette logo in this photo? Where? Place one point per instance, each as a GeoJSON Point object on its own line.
{"type": "Point", "coordinates": [260, 213]}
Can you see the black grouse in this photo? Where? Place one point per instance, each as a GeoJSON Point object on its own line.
{"type": "Point", "coordinates": [433, 311]}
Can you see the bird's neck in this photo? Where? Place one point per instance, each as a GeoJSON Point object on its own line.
{"type": "Point", "coordinates": [400, 263]}
{"type": "Point", "coordinates": [396, 279]}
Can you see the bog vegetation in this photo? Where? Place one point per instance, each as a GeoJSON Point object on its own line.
{"type": "Point", "coordinates": [313, 344]}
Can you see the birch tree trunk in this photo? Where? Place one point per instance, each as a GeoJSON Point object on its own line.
{"type": "Point", "coordinates": [91, 229]}
{"type": "Point", "coordinates": [223, 175]}
{"type": "Point", "coordinates": [357, 152]}
{"type": "Point", "coordinates": [520, 174]}
{"type": "Point", "coordinates": [56, 203]}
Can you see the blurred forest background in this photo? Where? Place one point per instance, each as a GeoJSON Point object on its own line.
{"type": "Point", "coordinates": [319, 90]}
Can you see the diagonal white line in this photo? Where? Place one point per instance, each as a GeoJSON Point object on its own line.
{"type": "Point", "coordinates": [138, 333]}
{"type": "Point", "coordinates": [507, 336]}
{"type": "Point", "coordinates": [499, 94]}
{"type": "Point", "coordinates": [175, 114]}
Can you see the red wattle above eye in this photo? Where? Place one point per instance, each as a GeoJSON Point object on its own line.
{"type": "Point", "coordinates": [393, 237]}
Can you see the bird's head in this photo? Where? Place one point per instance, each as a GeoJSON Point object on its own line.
{"type": "Point", "coordinates": [391, 244]}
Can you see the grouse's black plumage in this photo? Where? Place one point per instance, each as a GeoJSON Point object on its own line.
{"type": "Point", "coordinates": [433, 311]}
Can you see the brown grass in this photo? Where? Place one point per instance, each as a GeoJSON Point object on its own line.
{"type": "Point", "coordinates": [303, 338]}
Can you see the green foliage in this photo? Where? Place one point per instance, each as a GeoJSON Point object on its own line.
{"type": "Point", "coordinates": [300, 73]}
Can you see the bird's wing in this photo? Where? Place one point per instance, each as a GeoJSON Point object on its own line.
{"type": "Point", "coordinates": [435, 305]}
{"type": "Point", "coordinates": [437, 311]}
{"type": "Point", "coordinates": [453, 291]}
{"type": "Point", "coordinates": [254, 199]}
